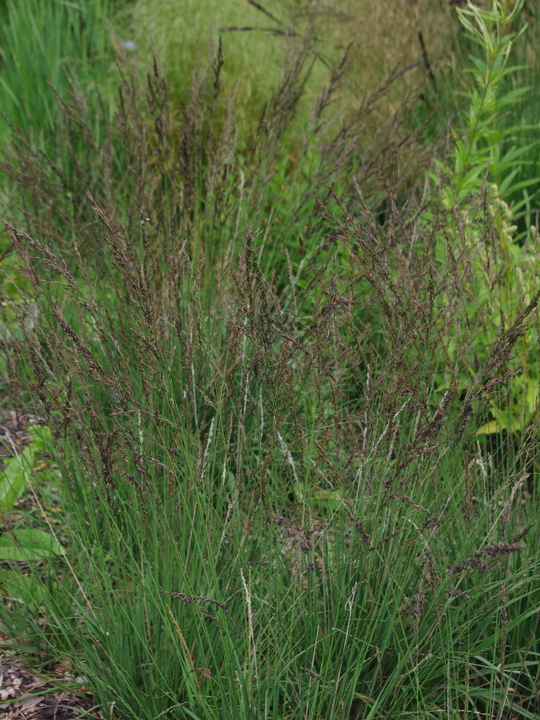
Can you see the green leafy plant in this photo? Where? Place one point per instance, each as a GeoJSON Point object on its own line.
{"type": "Point", "coordinates": [28, 545]}
{"type": "Point", "coordinates": [479, 137]}
{"type": "Point", "coordinates": [24, 544]}
{"type": "Point", "coordinates": [18, 469]}
{"type": "Point", "coordinates": [13, 478]}
{"type": "Point", "coordinates": [502, 267]}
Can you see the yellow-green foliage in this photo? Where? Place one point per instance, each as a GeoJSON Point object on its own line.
{"type": "Point", "coordinates": [502, 279]}
{"type": "Point", "coordinates": [479, 239]}
{"type": "Point", "coordinates": [505, 276]}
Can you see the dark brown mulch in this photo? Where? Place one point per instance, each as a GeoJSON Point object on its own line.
{"type": "Point", "coordinates": [26, 695]}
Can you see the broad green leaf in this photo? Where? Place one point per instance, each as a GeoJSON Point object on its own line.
{"type": "Point", "coordinates": [13, 479]}
{"type": "Point", "coordinates": [42, 437]}
{"type": "Point", "coordinates": [502, 422]}
{"type": "Point", "coordinates": [17, 469]}
{"type": "Point", "coordinates": [329, 499]}
{"type": "Point", "coordinates": [28, 545]}
{"type": "Point", "coordinates": [490, 428]}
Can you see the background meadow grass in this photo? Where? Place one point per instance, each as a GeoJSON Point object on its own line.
{"type": "Point", "coordinates": [288, 364]}
{"type": "Point", "coordinates": [254, 40]}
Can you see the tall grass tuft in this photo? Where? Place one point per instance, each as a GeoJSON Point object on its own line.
{"type": "Point", "coordinates": [44, 44]}
{"type": "Point", "coordinates": [264, 411]}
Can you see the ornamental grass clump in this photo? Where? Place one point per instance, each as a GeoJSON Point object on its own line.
{"type": "Point", "coordinates": [269, 503]}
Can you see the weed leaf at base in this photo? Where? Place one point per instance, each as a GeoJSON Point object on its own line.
{"type": "Point", "coordinates": [28, 545]}
{"type": "Point", "coordinates": [13, 479]}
